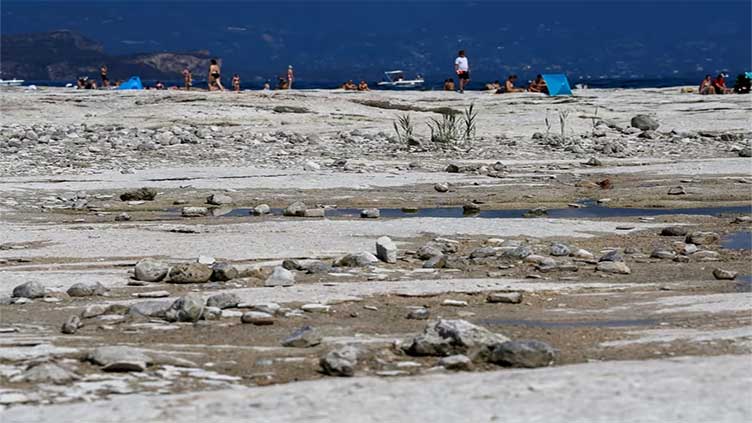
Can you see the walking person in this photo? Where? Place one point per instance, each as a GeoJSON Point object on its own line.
{"type": "Point", "coordinates": [462, 68]}
{"type": "Point", "coordinates": [290, 77]}
{"type": "Point", "coordinates": [187, 79]}
{"type": "Point", "coordinates": [215, 76]}
{"type": "Point", "coordinates": [103, 75]}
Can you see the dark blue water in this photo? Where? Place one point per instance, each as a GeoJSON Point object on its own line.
{"type": "Point", "coordinates": [741, 240]}
{"type": "Point", "coordinates": [584, 212]}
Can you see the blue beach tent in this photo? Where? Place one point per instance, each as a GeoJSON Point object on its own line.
{"type": "Point", "coordinates": [557, 84]}
{"type": "Point", "coordinates": [132, 84]}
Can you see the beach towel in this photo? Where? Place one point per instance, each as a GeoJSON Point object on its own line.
{"type": "Point", "coordinates": [132, 84]}
{"type": "Point", "coordinates": [557, 84]}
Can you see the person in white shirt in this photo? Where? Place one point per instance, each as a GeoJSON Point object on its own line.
{"type": "Point", "coordinates": [462, 68]}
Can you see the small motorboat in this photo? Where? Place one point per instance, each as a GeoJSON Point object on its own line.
{"type": "Point", "coordinates": [396, 79]}
{"type": "Point", "coordinates": [11, 82]}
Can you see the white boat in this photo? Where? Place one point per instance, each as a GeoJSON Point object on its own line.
{"type": "Point", "coordinates": [11, 82]}
{"type": "Point", "coordinates": [396, 79]}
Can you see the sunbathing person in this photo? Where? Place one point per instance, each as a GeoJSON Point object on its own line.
{"type": "Point", "coordinates": [539, 85]}
{"type": "Point", "coordinates": [509, 86]}
{"type": "Point", "coordinates": [236, 83]}
{"type": "Point", "coordinates": [159, 85]}
{"type": "Point", "coordinates": [363, 86]}
{"type": "Point", "coordinates": [350, 86]}
{"type": "Point", "coordinates": [267, 86]}
{"type": "Point", "coordinates": [282, 84]}
{"type": "Point", "coordinates": [706, 86]}
{"type": "Point", "coordinates": [449, 84]}
{"type": "Point", "coordinates": [720, 85]}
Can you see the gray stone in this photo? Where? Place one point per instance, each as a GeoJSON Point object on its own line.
{"type": "Point", "coordinates": [457, 362]}
{"type": "Point", "coordinates": [523, 353]}
{"type": "Point", "coordinates": [86, 289]}
{"type": "Point", "coordinates": [505, 297]}
{"type": "Point", "coordinates": [291, 264]}
{"type": "Point", "coordinates": [722, 274]}
{"type": "Point", "coordinates": [483, 252]}
{"type": "Point", "coordinates": [194, 211]}
{"type": "Point", "coordinates": [156, 309]}
{"type": "Point", "coordinates": [452, 168]}
{"type": "Point", "coordinates": [261, 209]}
{"type": "Point", "coordinates": [31, 289]}
{"type": "Point", "coordinates": [419, 314]}
{"type": "Point", "coordinates": [613, 255]}
{"type": "Point", "coordinates": [745, 152]}
{"type": "Point", "coordinates": [517, 253]}
{"type": "Point", "coordinates": [644, 123]}
{"type": "Point", "coordinates": [317, 212]}
{"type": "Point", "coordinates": [257, 318]}
{"type": "Point", "coordinates": [303, 337]}
{"type": "Point", "coordinates": [429, 250]}
{"type": "Point", "coordinates": [360, 259]}
{"type": "Point", "coordinates": [223, 272]}
{"type": "Point", "coordinates": [93, 310]}
{"type": "Point", "coordinates": [560, 250]}
{"type": "Point", "coordinates": [297, 208]}
{"type": "Point", "coordinates": [370, 213]}
{"type": "Point", "coordinates": [219, 199]}
{"type": "Point", "coordinates": [340, 362]}
{"type": "Point", "coordinates": [436, 262]}
{"type": "Point", "coordinates": [190, 273]}
{"type": "Point", "coordinates": [141, 194]}
{"type": "Point", "coordinates": [702, 238]}
{"type": "Point", "coordinates": [48, 373]}
{"type": "Point", "coordinates": [316, 267]}
{"type": "Point", "coordinates": [120, 359]}
{"type": "Point", "coordinates": [618, 267]}
{"type": "Point", "coordinates": [186, 309]}
{"type": "Point", "coordinates": [706, 255]}
{"type": "Point", "coordinates": [663, 254]}
{"type": "Point", "coordinates": [223, 300]}
{"type": "Point", "coordinates": [122, 217]}
{"type": "Point", "coordinates": [470, 208]}
{"type": "Point", "coordinates": [280, 277]}
{"type": "Point", "coordinates": [448, 337]}
{"type": "Point", "coordinates": [677, 190]}
{"type": "Point", "coordinates": [583, 255]}
{"type": "Point", "coordinates": [441, 187]}
{"type": "Point", "coordinates": [386, 250]}
{"type": "Point", "coordinates": [674, 231]}
{"type": "Point", "coordinates": [71, 325]}
{"type": "Point", "coordinates": [150, 270]}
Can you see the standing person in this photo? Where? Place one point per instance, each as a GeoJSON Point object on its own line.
{"type": "Point", "coordinates": [103, 75]}
{"type": "Point", "coordinates": [236, 83]}
{"type": "Point", "coordinates": [462, 68]}
{"type": "Point", "coordinates": [187, 79]}
{"type": "Point", "coordinates": [215, 76]}
{"type": "Point", "coordinates": [290, 77]}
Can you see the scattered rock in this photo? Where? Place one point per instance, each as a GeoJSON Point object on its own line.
{"type": "Point", "coordinates": [141, 194]}
{"type": "Point", "coordinates": [584, 255]}
{"type": "Point", "coordinates": [222, 272]}
{"type": "Point", "coordinates": [421, 313]}
{"type": "Point", "coordinates": [257, 318]}
{"type": "Point", "coordinates": [71, 325]}
{"type": "Point", "coordinates": [470, 208]}
{"type": "Point", "coordinates": [303, 337]}
{"type": "Point", "coordinates": [613, 255]}
{"type": "Point", "coordinates": [483, 252]}
{"type": "Point", "coordinates": [370, 213]}
{"type": "Point", "coordinates": [441, 187]}
{"type": "Point", "coordinates": [223, 300]}
{"type": "Point", "coordinates": [86, 289]}
{"type": "Point", "coordinates": [317, 212]}
{"type": "Point", "coordinates": [152, 294]}
{"type": "Point", "coordinates": [190, 273]}
{"type": "Point", "coordinates": [48, 373]}
{"type": "Point", "coordinates": [449, 337]}
{"type": "Point", "coordinates": [745, 152]}
{"type": "Point", "coordinates": [340, 362]}
{"type": "Point", "coordinates": [261, 209]}
{"type": "Point", "coordinates": [618, 267]}
{"type": "Point", "coordinates": [436, 262]}
{"type": "Point", "coordinates": [315, 308]}
{"type": "Point", "coordinates": [93, 310]}
{"type": "Point", "coordinates": [523, 353]}
{"type": "Point", "coordinates": [457, 362]}
{"type": "Point", "coordinates": [150, 270]}
{"type": "Point", "coordinates": [297, 208]}
{"type": "Point", "coordinates": [122, 217]}
{"type": "Point", "coordinates": [454, 303]}
{"type": "Point", "coordinates": [663, 254]}
{"type": "Point", "coordinates": [429, 250]}
{"type": "Point", "coordinates": [186, 309]}
{"type": "Point", "coordinates": [677, 191]}
{"type": "Point", "coordinates": [702, 238]}
{"type": "Point", "coordinates": [536, 212]}
{"type": "Point", "coordinates": [560, 250]}
{"type": "Point", "coordinates": [675, 231]}
{"type": "Point", "coordinates": [722, 274]}
{"type": "Point", "coordinates": [280, 277]}
{"type": "Point", "coordinates": [119, 359]}
{"type": "Point", "coordinates": [644, 123]}
{"type": "Point", "coordinates": [194, 211]}
{"type": "Point", "coordinates": [360, 259]}
{"type": "Point", "coordinates": [386, 250]}
{"type": "Point", "coordinates": [156, 309]}
{"type": "Point", "coordinates": [31, 289]}
{"type": "Point", "coordinates": [219, 199]}
{"type": "Point", "coordinates": [706, 255]}
{"type": "Point", "coordinates": [505, 297]}
{"type": "Point", "coordinates": [452, 168]}
{"type": "Point", "coordinates": [594, 162]}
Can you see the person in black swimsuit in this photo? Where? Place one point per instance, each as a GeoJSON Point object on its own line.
{"type": "Point", "coordinates": [215, 78]}
{"type": "Point", "coordinates": [103, 74]}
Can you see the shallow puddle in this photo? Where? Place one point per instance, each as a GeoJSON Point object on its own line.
{"type": "Point", "coordinates": [577, 324]}
{"type": "Point", "coordinates": [741, 240]}
{"type": "Point", "coordinates": [744, 283]}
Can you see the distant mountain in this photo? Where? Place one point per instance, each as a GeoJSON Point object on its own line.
{"type": "Point", "coordinates": [67, 55]}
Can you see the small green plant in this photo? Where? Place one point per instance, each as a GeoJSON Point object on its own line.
{"type": "Point", "coordinates": [444, 131]}
{"type": "Point", "coordinates": [563, 115]}
{"type": "Point", "coordinates": [404, 127]}
{"type": "Point", "coordinates": [469, 118]}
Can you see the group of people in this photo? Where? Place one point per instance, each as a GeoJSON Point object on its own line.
{"type": "Point", "coordinates": [717, 85]}
{"type": "Point", "coordinates": [462, 69]}
{"type": "Point", "coordinates": [351, 86]}
{"type": "Point", "coordinates": [214, 79]}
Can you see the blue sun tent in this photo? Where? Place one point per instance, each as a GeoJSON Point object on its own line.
{"type": "Point", "coordinates": [557, 84]}
{"type": "Point", "coordinates": [132, 84]}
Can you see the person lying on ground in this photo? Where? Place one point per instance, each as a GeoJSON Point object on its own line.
{"type": "Point", "coordinates": [538, 85]}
